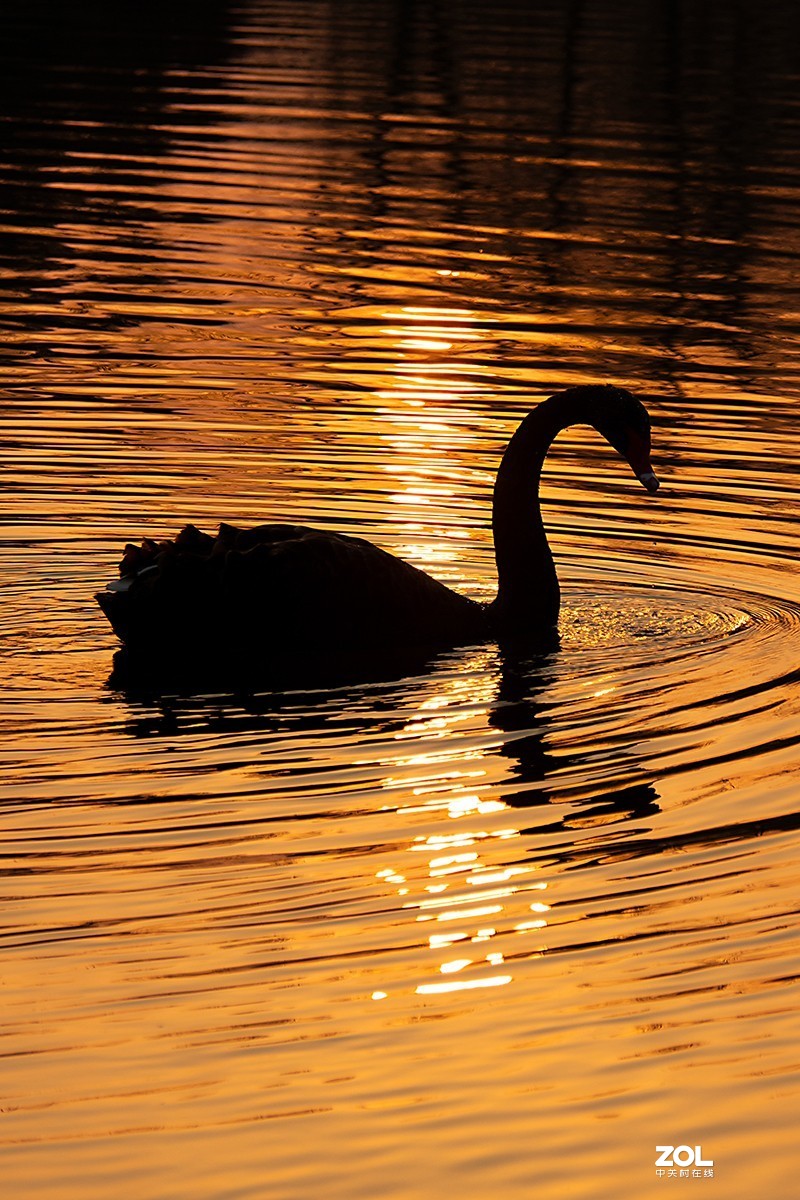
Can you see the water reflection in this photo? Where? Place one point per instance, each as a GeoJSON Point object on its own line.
{"type": "Point", "coordinates": [313, 263]}
{"type": "Point", "coordinates": [476, 883]}
{"type": "Point", "coordinates": [472, 754]}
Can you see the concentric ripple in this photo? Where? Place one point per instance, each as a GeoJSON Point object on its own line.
{"type": "Point", "coordinates": [678, 620]}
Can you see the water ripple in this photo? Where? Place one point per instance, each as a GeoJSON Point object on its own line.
{"type": "Point", "coordinates": [281, 262]}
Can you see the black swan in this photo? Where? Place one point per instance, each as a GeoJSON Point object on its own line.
{"type": "Point", "coordinates": [272, 597]}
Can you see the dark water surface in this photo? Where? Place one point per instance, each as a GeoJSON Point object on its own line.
{"type": "Point", "coordinates": [500, 928]}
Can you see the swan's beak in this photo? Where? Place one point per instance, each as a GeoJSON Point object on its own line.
{"type": "Point", "coordinates": [648, 479]}
{"type": "Point", "coordinates": [638, 455]}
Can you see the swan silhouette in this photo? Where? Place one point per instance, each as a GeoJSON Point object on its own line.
{"type": "Point", "coordinates": [279, 595]}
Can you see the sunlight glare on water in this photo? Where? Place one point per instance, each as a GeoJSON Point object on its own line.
{"type": "Point", "coordinates": [505, 924]}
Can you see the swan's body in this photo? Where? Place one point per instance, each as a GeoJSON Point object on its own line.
{"type": "Point", "coordinates": [277, 595]}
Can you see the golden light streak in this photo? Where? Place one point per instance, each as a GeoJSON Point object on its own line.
{"type": "Point", "coordinates": [447, 901]}
{"type": "Point", "coordinates": [460, 985]}
{"type": "Point", "coordinates": [455, 964]}
{"type": "Point", "coordinates": [439, 940]}
{"type": "Point", "coordinates": [464, 914]}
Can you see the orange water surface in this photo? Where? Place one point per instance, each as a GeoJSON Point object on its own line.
{"type": "Point", "coordinates": [501, 928]}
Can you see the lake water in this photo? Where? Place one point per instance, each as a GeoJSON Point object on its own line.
{"type": "Point", "coordinates": [500, 928]}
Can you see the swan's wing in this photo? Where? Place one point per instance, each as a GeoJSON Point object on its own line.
{"type": "Point", "coordinates": [280, 590]}
{"type": "Point", "coordinates": [325, 588]}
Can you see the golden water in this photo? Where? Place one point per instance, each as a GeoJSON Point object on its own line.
{"type": "Point", "coordinates": [501, 928]}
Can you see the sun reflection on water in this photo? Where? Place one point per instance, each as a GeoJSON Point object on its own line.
{"type": "Point", "coordinates": [425, 413]}
{"type": "Point", "coordinates": [456, 882]}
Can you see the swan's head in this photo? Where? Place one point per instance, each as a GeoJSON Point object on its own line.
{"type": "Point", "coordinates": [623, 421]}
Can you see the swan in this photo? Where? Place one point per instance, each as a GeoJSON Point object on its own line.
{"type": "Point", "coordinates": [276, 595]}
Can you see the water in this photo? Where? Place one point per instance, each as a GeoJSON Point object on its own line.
{"type": "Point", "coordinates": [501, 927]}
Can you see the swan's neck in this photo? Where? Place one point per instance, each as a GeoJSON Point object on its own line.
{"type": "Point", "coordinates": [528, 593]}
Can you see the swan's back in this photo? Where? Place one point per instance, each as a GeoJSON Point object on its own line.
{"type": "Point", "coordinates": [276, 594]}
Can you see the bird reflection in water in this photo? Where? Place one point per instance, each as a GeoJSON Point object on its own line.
{"type": "Point", "coordinates": [480, 892]}
{"type": "Point", "coordinates": [464, 745]}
